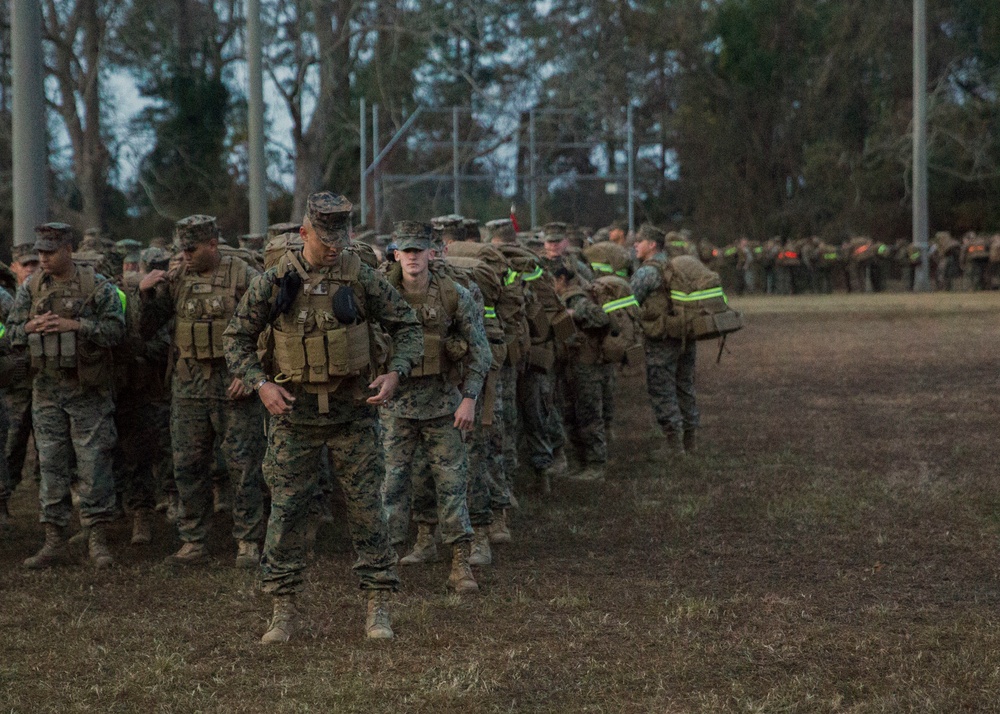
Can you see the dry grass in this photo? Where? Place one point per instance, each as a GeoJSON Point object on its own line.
{"type": "Point", "coordinates": [831, 550]}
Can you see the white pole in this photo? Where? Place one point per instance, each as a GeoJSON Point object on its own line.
{"type": "Point", "coordinates": [921, 227]}
{"type": "Point", "coordinates": [30, 159]}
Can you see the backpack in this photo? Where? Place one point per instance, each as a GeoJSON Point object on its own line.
{"type": "Point", "coordinates": [995, 249]}
{"type": "Point", "coordinates": [978, 248]}
{"type": "Point", "coordinates": [622, 343]}
{"type": "Point", "coordinates": [607, 258]}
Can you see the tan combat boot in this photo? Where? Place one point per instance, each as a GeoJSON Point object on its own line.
{"type": "Point", "coordinates": [247, 555]}
{"type": "Point", "coordinates": [97, 545]}
{"type": "Point", "coordinates": [461, 579]}
{"type": "Point", "coordinates": [222, 500]}
{"type": "Point", "coordinates": [142, 532]}
{"type": "Point", "coordinates": [670, 446]}
{"type": "Point", "coordinates": [481, 553]}
{"type": "Point", "coordinates": [81, 537]}
{"type": "Point", "coordinates": [4, 514]}
{"type": "Point", "coordinates": [691, 441]}
{"type": "Point", "coordinates": [190, 554]}
{"type": "Point", "coordinates": [284, 621]}
{"type": "Point", "coordinates": [378, 625]}
{"type": "Point", "coordinates": [593, 473]}
{"type": "Point", "coordinates": [52, 552]}
{"type": "Point", "coordinates": [499, 532]}
{"type": "Point", "coordinates": [560, 464]}
{"type": "Point", "coordinates": [425, 549]}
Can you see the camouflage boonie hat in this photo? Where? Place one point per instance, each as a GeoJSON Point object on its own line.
{"type": "Point", "coordinates": [450, 227]}
{"type": "Point", "coordinates": [280, 229]}
{"type": "Point", "coordinates": [192, 231]}
{"type": "Point", "coordinates": [153, 255]}
{"type": "Point", "coordinates": [330, 215]}
{"type": "Point", "coordinates": [502, 229]}
{"type": "Point", "coordinates": [555, 231]}
{"type": "Point", "coordinates": [412, 235]}
{"type": "Point", "coordinates": [252, 241]}
{"type": "Point", "coordinates": [25, 253]}
{"type": "Point", "coordinates": [647, 231]}
{"type": "Point", "coordinates": [52, 236]}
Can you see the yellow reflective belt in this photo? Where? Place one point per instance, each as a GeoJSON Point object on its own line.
{"type": "Point", "coordinates": [510, 277]}
{"type": "Point", "coordinates": [829, 256]}
{"type": "Point", "coordinates": [602, 267]}
{"type": "Point", "coordinates": [618, 304]}
{"type": "Point", "coordinates": [699, 295]}
{"type": "Point", "coordinates": [489, 311]}
{"type": "Point", "coordinates": [121, 296]}
{"type": "Point", "coordinates": [730, 251]}
{"type": "Point", "coordinates": [535, 275]}
{"type": "Point", "coordinates": [621, 273]}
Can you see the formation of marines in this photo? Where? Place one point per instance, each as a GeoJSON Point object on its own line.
{"type": "Point", "coordinates": [425, 375]}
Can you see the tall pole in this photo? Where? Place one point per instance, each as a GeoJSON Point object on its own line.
{"type": "Point", "coordinates": [631, 171]}
{"type": "Point", "coordinates": [255, 122]}
{"type": "Point", "coordinates": [531, 169]}
{"type": "Point", "coordinates": [921, 228]}
{"type": "Point", "coordinates": [28, 108]}
{"type": "Point", "coordinates": [363, 125]}
{"type": "Point", "coordinates": [376, 192]}
{"type": "Point", "coordinates": [454, 159]}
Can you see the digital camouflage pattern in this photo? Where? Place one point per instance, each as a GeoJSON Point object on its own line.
{"type": "Point", "coordinates": [71, 421]}
{"type": "Point", "coordinates": [507, 393]}
{"type": "Point", "coordinates": [589, 382]}
{"type": "Point", "coordinates": [349, 432]}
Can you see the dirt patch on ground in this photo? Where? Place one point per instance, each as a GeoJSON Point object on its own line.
{"type": "Point", "coordinates": [831, 549]}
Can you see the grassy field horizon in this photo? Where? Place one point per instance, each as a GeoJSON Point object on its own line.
{"type": "Point", "coordinates": [832, 548]}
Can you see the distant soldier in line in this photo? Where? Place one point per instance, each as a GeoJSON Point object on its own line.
{"type": "Point", "coordinates": [670, 361]}
{"type": "Point", "coordinates": [327, 312]}
{"type": "Point", "coordinates": [69, 318]}
{"type": "Point", "coordinates": [208, 401]}
{"type": "Point", "coordinates": [438, 402]}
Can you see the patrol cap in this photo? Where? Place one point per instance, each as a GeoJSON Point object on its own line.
{"type": "Point", "coordinates": [25, 253]}
{"type": "Point", "coordinates": [129, 249]}
{"type": "Point", "coordinates": [471, 226]}
{"type": "Point", "coordinates": [192, 231]}
{"type": "Point", "coordinates": [52, 236]}
{"type": "Point", "coordinates": [330, 215]}
{"type": "Point", "coordinates": [252, 241]}
{"type": "Point", "coordinates": [412, 235]}
{"type": "Point", "coordinates": [280, 229]}
{"type": "Point", "coordinates": [535, 244]}
{"type": "Point", "coordinates": [153, 255]}
{"type": "Point", "coordinates": [502, 229]}
{"type": "Point", "coordinates": [451, 227]}
{"type": "Point", "coordinates": [647, 231]}
{"type": "Point", "coordinates": [554, 232]}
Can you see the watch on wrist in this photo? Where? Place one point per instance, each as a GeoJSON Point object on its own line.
{"type": "Point", "coordinates": [470, 395]}
{"type": "Point", "coordinates": [259, 384]}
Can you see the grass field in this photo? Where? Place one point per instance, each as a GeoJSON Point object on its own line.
{"type": "Point", "coordinates": [832, 549]}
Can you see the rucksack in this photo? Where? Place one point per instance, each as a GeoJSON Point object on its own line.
{"type": "Point", "coordinates": [622, 343]}
{"type": "Point", "coordinates": [607, 258]}
{"type": "Point", "coordinates": [995, 249]}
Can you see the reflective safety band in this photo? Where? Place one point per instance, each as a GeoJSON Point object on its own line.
{"type": "Point", "coordinates": [679, 243]}
{"type": "Point", "coordinates": [829, 256]}
{"type": "Point", "coordinates": [621, 273]}
{"type": "Point", "coordinates": [535, 274]}
{"type": "Point", "coordinates": [121, 296]}
{"type": "Point", "coordinates": [618, 304]}
{"type": "Point", "coordinates": [602, 267]}
{"type": "Point", "coordinates": [510, 277]}
{"type": "Point", "coordinates": [730, 251]}
{"type": "Point", "coordinates": [3, 330]}
{"type": "Point", "coordinates": [883, 249]}
{"type": "Point", "coordinates": [489, 312]}
{"type": "Point", "coordinates": [699, 295]}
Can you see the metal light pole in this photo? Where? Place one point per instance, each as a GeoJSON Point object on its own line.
{"type": "Point", "coordinates": [531, 168]}
{"type": "Point", "coordinates": [454, 159]}
{"type": "Point", "coordinates": [28, 108]}
{"type": "Point", "coordinates": [631, 171]}
{"type": "Point", "coordinates": [376, 193]}
{"type": "Point", "coordinates": [255, 122]}
{"type": "Point", "coordinates": [363, 124]}
{"type": "Point", "coordinates": [921, 229]}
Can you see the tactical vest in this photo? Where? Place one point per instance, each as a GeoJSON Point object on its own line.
{"type": "Point", "coordinates": [66, 352]}
{"type": "Point", "coordinates": [204, 306]}
{"type": "Point", "coordinates": [436, 310]}
{"type": "Point", "coordinates": [311, 346]}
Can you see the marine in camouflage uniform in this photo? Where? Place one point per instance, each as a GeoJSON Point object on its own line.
{"type": "Point", "coordinates": [208, 401]}
{"type": "Point", "coordinates": [343, 302]}
{"type": "Point", "coordinates": [69, 318]}
{"type": "Point", "coordinates": [670, 362]}
{"type": "Point", "coordinates": [430, 410]}
{"type": "Point", "coordinates": [6, 302]}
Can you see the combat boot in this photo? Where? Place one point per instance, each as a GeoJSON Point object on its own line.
{"type": "Point", "coordinates": [222, 500]}
{"type": "Point", "coordinates": [284, 621]}
{"type": "Point", "coordinates": [499, 532]}
{"type": "Point", "coordinates": [4, 514]}
{"type": "Point", "coordinates": [671, 445]}
{"type": "Point", "coordinates": [247, 554]}
{"type": "Point", "coordinates": [189, 554]}
{"type": "Point", "coordinates": [461, 579]}
{"type": "Point", "coordinates": [593, 473]}
{"type": "Point", "coordinates": [52, 552]}
{"type": "Point", "coordinates": [378, 625]}
{"type": "Point", "coordinates": [97, 545]}
{"type": "Point", "coordinates": [81, 537]}
{"type": "Point", "coordinates": [690, 441]}
{"type": "Point", "coordinates": [425, 549]}
{"type": "Point", "coordinates": [481, 553]}
{"type": "Point", "coordinates": [173, 508]}
{"type": "Point", "coordinates": [141, 528]}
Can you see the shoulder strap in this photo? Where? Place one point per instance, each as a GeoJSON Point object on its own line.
{"type": "Point", "coordinates": [87, 279]}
